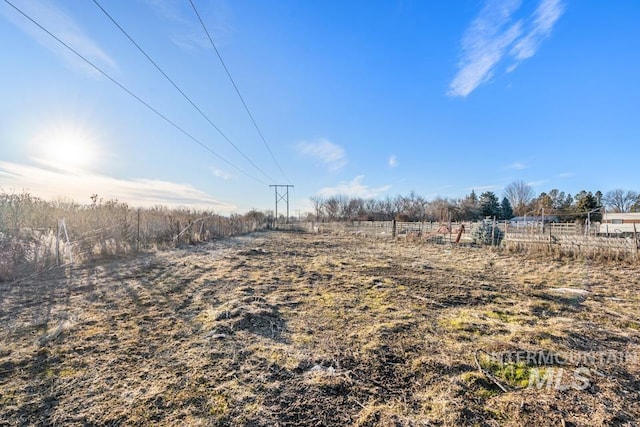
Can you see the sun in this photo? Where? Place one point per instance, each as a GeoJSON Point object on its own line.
{"type": "Point", "coordinates": [66, 147]}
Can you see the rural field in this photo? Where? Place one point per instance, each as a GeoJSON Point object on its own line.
{"type": "Point", "coordinates": [299, 329]}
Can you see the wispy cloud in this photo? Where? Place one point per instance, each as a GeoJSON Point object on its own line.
{"type": "Point", "coordinates": [566, 174]}
{"type": "Point", "coordinates": [221, 173]}
{"type": "Point", "coordinates": [484, 44]}
{"type": "Point", "coordinates": [330, 154]}
{"type": "Point", "coordinates": [544, 18]}
{"type": "Point", "coordinates": [537, 183]}
{"type": "Point", "coordinates": [215, 14]}
{"type": "Point", "coordinates": [63, 26]}
{"type": "Point", "coordinates": [52, 184]}
{"type": "Point", "coordinates": [168, 9]}
{"type": "Point", "coordinates": [517, 166]}
{"type": "Point", "coordinates": [496, 32]}
{"type": "Point", "coordinates": [354, 188]}
{"type": "Point", "coordinates": [393, 161]}
{"type": "Point", "coordinates": [190, 41]}
{"type": "Point", "coordinates": [482, 188]}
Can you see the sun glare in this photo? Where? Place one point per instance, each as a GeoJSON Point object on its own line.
{"type": "Point", "coordinates": [65, 147]}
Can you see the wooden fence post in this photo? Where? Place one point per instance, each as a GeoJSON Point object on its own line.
{"type": "Point", "coordinates": [493, 231]}
{"type": "Point", "coordinates": [506, 230]}
{"type": "Point", "coordinates": [635, 238]}
{"type": "Point", "coordinates": [58, 243]}
{"type": "Point", "coordinates": [138, 233]}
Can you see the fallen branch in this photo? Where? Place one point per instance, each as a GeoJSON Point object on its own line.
{"type": "Point", "coordinates": [487, 374]}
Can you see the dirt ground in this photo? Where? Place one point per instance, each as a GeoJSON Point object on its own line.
{"type": "Point", "coordinates": [293, 329]}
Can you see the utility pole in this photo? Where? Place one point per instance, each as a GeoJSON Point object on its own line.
{"type": "Point", "coordinates": [282, 195]}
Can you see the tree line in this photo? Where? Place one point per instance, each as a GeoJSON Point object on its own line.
{"type": "Point", "coordinates": [519, 199]}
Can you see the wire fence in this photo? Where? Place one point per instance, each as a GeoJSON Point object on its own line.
{"type": "Point", "coordinates": [555, 238]}
{"type": "Point", "coordinates": [37, 241]}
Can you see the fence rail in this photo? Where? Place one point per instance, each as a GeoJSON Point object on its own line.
{"type": "Point", "coordinates": [569, 238]}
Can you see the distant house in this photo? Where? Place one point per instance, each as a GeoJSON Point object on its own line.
{"type": "Point", "coordinates": [619, 223]}
{"type": "Point", "coordinates": [529, 221]}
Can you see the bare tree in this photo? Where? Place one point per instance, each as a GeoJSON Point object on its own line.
{"type": "Point", "coordinates": [345, 208]}
{"type": "Point", "coordinates": [332, 208]}
{"type": "Point", "coordinates": [411, 207]}
{"type": "Point", "coordinates": [390, 207]}
{"type": "Point", "coordinates": [519, 194]}
{"type": "Point", "coordinates": [318, 204]}
{"type": "Point", "coordinates": [440, 209]}
{"type": "Point", "coordinates": [620, 201]}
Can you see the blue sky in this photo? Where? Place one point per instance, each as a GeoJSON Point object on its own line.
{"type": "Point", "coordinates": [360, 98]}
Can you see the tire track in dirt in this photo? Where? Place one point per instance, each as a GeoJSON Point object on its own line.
{"type": "Point", "coordinates": [133, 339]}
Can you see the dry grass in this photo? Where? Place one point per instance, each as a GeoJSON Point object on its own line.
{"type": "Point", "coordinates": [300, 329]}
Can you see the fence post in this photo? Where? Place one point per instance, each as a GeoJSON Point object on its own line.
{"type": "Point", "coordinates": [58, 243]}
{"type": "Point", "coordinates": [393, 229]}
{"type": "Point", "coordinates": [506, 230]}
{"type": "Point", "coordinates": [138, 233]}
{"type": "Point", "coordinates": [68, 242]}
{"type": "Point", "coordinates": [635, 238]}
{"type": "Point", "coordinates": [493, 232]}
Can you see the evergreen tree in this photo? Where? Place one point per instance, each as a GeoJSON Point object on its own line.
{"type": "Point", "coordinates": [586, 202]}
{"type": "Point", "coordinates": [486, 234]}
{"type": "Point", "coordinates": [506, 211]}
{"type": "Point", "coordinates": [468, 207]}
{"type": "Point", "coordinates": [489, 204]}
{"type": "Point", "coordinates": [473, 199]}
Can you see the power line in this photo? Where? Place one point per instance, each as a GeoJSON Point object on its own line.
{"type": "Point", "coordinates": [246, 107]}
{"type": "Point", "coordinates": [114, 81]}
{"type": "Point", "coordinates": [180, 90]}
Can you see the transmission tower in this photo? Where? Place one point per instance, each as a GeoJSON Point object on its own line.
{"type": "Point", "coordinates": [282, 194]}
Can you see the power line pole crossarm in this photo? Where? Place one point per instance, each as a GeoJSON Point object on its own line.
{"type": "Point", "coordinates": [281, 195]}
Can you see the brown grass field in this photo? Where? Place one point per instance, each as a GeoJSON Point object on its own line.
{"type": "Point", "coordinates": [294, 329]}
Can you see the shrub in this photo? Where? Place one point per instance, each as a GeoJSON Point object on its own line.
{"type": "Point", "coordinates": [485, 233]}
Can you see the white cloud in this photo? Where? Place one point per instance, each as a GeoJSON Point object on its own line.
{"type": "Point", "coordinates": [52, 184]}
{"type": "Point", "coordinates": [221, 174]}
{"type": "Point", "coordinates": [484, 44]}
{"type": "Point", "coordinates": [494, 33]}
{"type": "Point", "coordinates": [354, 188]}
{"type": "Point", "coordinates": [483, 188]}
{"type": "Point", "coordinates": [215, 14]}
{"type": "Point", "coordinates": [537, 183]}
{"type": "Point", "coordinates": [566, 174]}
{"type": "Point", "coordinates": [168, 9]}
{"type": "Point", "coordinates": [325, 151]}
{"type": "Point", "coordinates": [190, 41]}
{"type": "Point", "coordinates": [62, 26]}
{"type": "Point", "coordinates": [517, 166]}
{"type": "Point", "coordinates": [393, 161]}
{"type": "Point", "coordinates": [544, 18]}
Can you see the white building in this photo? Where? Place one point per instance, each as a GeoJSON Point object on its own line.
{"type": "Point", "coordinates": [619, 223]}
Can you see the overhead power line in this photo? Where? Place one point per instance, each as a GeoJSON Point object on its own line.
{"type": "Point", "coordinates": [180, 90]}
{"type": "Point", "coordinates": [246, 107]}
{"type": "Point", "coordinates": [143, 102]}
